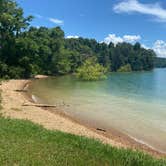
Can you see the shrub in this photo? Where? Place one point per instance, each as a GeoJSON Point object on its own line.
{"type": "Point", "coordinates": [91, 70]}
{"type": "Point", "coordinates": [125, 68]}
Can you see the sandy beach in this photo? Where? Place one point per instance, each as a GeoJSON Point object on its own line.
{"type": "Point", "coordinates": [13, 101]}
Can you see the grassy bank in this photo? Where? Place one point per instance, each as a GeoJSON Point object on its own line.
{"type": "Point", "coordinates": [24, 143]}
{"type": "Point", "coordinates": [0, 98]}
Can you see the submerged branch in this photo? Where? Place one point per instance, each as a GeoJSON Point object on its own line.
{"type": "Point", "coordinates": [39, 105]}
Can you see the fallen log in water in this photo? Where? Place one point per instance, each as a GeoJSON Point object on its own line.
{"type": "Point", "coordinates": [38, 105]}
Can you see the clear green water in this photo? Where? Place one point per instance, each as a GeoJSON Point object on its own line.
{"type": "Point", "coordinates": [132, 103]}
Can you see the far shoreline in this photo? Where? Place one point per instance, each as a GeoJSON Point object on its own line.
{"type": "Point", "coordinates": [112, 136]}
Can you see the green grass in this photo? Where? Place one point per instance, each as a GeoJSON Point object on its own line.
{"type": "Point", "coordinates": [0, 98]}
{"type": "Point", "coordinates": [25, 143]}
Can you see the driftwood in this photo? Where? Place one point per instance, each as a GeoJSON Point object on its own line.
{"type": "Point", "coordinates": [21, 90]}
{"type": "Point", "coordinates": [99, 129]}
{"type": "Point", "coordinates": [40, 76]}
{"type": "Point", "coordinates": [39, 105]}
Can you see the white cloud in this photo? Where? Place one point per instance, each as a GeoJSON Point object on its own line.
{"type": "Point", "coordinates": [117, 39]}
{"type": "Point", "coordinates": [131, 38]}
{"type": "Point", "coordinates": [131, 6]}
{"type": "Point", "coordinates": [53, 20]}
{"type": "Point", "coordinates": [75, 37]}
{"type": "Point", "coordinates": [38, 15]}
{"type": "Point", "coordinates": [37, 26]}
{"type": "Point", "coordinates": [160, 48]}
{"type": "Point", "coordinates": [56, 21]}
{"type": "Point", "coordinates": [144, 46]}
{"type": "Point", "coordinates": [113, 38]}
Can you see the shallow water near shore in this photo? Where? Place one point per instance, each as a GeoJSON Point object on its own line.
{"type": "Point", "coordinates": [132, 103]}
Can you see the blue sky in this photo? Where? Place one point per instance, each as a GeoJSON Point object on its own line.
{"type": "Point", "coordinates": [104, 20]}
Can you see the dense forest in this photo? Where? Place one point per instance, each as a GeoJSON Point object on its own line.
{"type": "Point", "coordinates": [160, 62]}
{"type": "Point", "coordinates": [26, 51]}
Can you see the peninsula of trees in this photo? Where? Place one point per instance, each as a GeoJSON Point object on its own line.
{"type": "Point", "coordinates": [26, 51]}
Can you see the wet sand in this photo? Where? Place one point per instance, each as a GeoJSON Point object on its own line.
{"type": "Point", "coordinates": [13, 99]}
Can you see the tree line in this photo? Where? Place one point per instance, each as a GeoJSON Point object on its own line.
{"type": "Point", "coordinates": [26, 51]}
{"type": "Point", "coordinates": [160, 62]}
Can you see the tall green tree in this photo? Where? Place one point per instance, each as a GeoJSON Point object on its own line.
{"type": "Point", "coordinates": [12, 23]}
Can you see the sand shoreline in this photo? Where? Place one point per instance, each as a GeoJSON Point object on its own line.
{"type": "Point", "coordinates": [54, 119]}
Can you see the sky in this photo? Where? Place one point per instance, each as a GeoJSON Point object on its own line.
{"type": "Point", "coordinates": [106, 21]}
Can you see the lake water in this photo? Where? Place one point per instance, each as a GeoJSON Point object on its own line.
{"type": "Point", "coordinates": [132, 103]}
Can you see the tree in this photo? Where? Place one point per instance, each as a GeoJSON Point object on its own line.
{"type": "Point", "coordinates": [12, 23]}
{"type": "Point", "coordinates": [91, 70]}
{"type": "Point", "coordinates": [125, 68]}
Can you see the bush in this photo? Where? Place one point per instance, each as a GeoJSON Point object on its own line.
{"type": "Point", "coordinates": [15, 72]}
{"type": "Point", "coordinates": [125, 68]}
{"type": "Point", "coordinates": [91, 70]}
{"type": "Point", "coordinates": [3, 69]}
